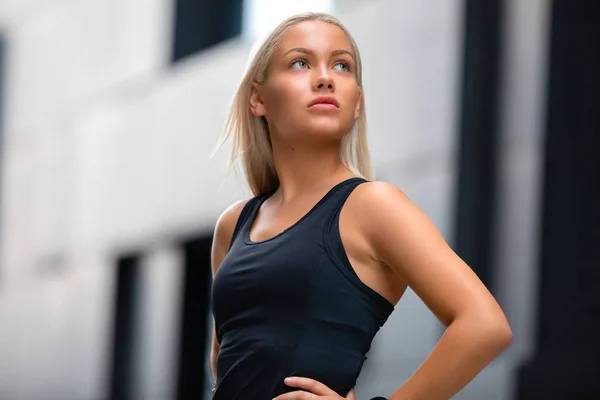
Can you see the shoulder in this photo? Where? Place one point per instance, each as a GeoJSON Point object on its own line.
{"type": "Point", "coordinates": [384, 211]}
{"type": "Point", "coordinates": [228, 218]}
{"type": "Point", "coordinates": [378, 191]}
{"type": "Point", "coordinates": [224, 229]}
{"type": "Point", "coordinates": [374, 199]}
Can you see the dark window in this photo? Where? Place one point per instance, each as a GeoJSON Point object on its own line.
{"type": "Point", "coordinates": [195, 316]}
{"type": "Point", "coordinates": [477, 136]}
{"type": "Point", "coordinates": [127, 286]}
{"type": "Point", "coordinates": [565, 363]}
{"type": "Point", "coordinates": [200, 24]}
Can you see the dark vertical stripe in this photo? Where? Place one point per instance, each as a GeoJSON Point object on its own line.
{"type": "Point", "coordinates": [127, 285]}
{"type": "Point", "coordinates": [200, 24]}
{"type": "Point", "coordinates": [194, 334]}
{"type": "Point", "coordinates": [477, 173]}
{"type": "Point", "coordinates": [566, 361]}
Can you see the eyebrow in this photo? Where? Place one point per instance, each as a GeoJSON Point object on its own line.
{"type": "Point", "coordinates": [310, 52]}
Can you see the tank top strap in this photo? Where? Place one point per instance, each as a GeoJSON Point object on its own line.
{"type": "Point", "coordinates": [332, 241]}
{"type": "Point", "coordinates": [247, 214]}
{"type": "Point", "coordinates": [331, 203]}
{"type": "Point", "coordinates": [338, 196]}
{"type": "Point", "coordinates": [331, 229]}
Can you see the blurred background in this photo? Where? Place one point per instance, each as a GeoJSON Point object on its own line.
{"type": "Point", "coordinates": [484, 112]}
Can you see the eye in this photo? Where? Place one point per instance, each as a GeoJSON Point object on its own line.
{"type": "Point", "coordinates": [343, 66]}
{"type": "Point", "coordinates": [299, 64]}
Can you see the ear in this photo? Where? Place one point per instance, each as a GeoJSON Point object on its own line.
{"type": "Point", "coordinates": [257, 104]}
{"type": "Point", "coordinates": [357, 109]}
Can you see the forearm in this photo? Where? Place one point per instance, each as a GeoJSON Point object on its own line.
{"type": "Point", "coordinates": [213, 363]}
{"type": "Point", "coordinates": [465, 348]}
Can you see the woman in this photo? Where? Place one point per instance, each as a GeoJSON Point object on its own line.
{"type": "Point", "coordinates": [308, 270]}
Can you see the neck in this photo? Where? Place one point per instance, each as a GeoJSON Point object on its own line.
{"type": "Point", "coordinates": [304, 170]}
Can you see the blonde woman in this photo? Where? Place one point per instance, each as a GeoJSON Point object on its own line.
{"type": "Point", "coordinates": [309, 269]}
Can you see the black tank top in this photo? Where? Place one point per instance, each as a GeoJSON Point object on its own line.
{"type": "Point", "coordinates": [292, 305]}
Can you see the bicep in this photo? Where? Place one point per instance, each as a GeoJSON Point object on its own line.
{"type": "Point", "coordinates": [412, 247]}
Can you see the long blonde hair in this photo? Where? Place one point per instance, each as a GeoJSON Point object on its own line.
{"type": "Point", "coordinates": [250, 134]}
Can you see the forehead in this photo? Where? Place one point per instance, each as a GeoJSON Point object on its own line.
{"type": "Point", "coordinates": [316, 35]}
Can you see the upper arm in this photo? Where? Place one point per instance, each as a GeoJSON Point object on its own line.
{"type": "Point", "coordinates": [403, 238]}
{"type": "Point", "coordinates": [223, 233]}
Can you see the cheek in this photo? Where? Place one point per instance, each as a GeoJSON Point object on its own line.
{"type": "Point", "coordinates": [284, 97]}
{"type": "Point", "coordinates": [352, 97]}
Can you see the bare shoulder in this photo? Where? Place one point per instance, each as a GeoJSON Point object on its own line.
{"type": "Point", "coordinates": [375, 200]}
{"type": "Point", "coordinates": [228, 218]}
{"type": "Point", "coordinates": [378, 193]}
{"type": "Point", "coordinates": [382, 211]}
{"type": "Point", "coordinates": [224, 229]}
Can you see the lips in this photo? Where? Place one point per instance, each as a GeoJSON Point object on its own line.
{"type": "Point", "coordinates": [325, 100]}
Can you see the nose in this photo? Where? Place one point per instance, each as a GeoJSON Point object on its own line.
{"type": "Point", "coordinates": [324, 80]}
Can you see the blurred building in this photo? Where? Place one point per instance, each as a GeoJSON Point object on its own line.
{"type": "Point", "coordinates": [484, 113]}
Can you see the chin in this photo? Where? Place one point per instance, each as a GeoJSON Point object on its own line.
{"type": "Point", "coordinates": [325, 132]}
{"type": "Point", "coordinates": [328, 127]}
{"type": "Point", "coordinates": [316, 131]}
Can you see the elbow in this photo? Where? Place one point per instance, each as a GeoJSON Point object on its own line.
{"type": "Point", "coordinates": [498, 333]}
{"type": "Point", "coordinates": [489, 330]}
{"type": "Point", "coordinates": [508, 336]}
{"type": "Point", "coordinates": [504, 336]}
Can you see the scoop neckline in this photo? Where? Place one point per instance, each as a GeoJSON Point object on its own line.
{"type": "Point", "coordinates": [264, 198]}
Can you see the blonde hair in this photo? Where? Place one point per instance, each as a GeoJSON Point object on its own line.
{"type": "Point", "coordinates": [250, 133]}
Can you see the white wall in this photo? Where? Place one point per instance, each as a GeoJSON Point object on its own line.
{"type": "Point", "coordinates": [107, 148]}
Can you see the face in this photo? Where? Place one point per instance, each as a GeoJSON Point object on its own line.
{"type": "Point", "coordinates": [311, 93]}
